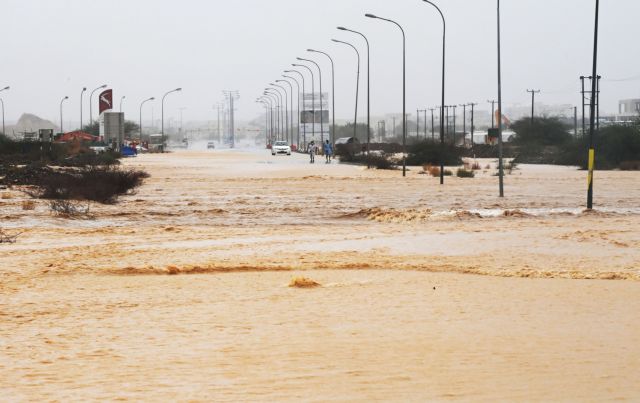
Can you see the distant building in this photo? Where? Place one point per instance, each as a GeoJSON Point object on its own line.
{"type": "Point", "coordinates": [627, 107]}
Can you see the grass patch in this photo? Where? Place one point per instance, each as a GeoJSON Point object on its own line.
{"type": "Point", "coordinates": [464, 173]}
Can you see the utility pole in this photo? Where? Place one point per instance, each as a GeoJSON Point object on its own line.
{"type": "Point", "coordinates": [575, 121]}
{"type": "Point", "coordinates": [493, 113]}
{"type": "Point", "coordinates": [533, 101]}
{"type": "Point", "coordinates": [500, 164]}
{"type": "Point", "coordinates": [464, 124]}
{"type": "Point", "coordinates": [394, 126]}
{"type": "Point", "coordinates": [417, 123]}
{"type": "Point", "coordinates": [598, 103]}
{"type": "Point", "coordinates": [433, 135]}
{"type": "Point", "coordinates": [218, 131]}
{"type": "Point", "coordinates": [583, 104]}
{"type": "Point", "coordinates": [232, 96]}
{"type": "Point", "coordinates": [454, 124]}
{"type": "Point", "coordinates": [592, 107]}
{"type": "Point", "coordinates": [472, 105]}
{"type": "Point", "coordinates": [448, 121]}
{"type": "Point", "coordinates": [425, 124]}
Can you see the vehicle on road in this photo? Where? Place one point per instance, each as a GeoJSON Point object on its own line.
{"type": "Point", "coordinates": [280, 147]}
{"type": "Point", "coordinates": [211, 145]}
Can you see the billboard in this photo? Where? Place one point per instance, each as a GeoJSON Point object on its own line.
{"type": "Point", "coordinates": [106, 101]}
{"type": "Point", "coordinates": [307, 117]}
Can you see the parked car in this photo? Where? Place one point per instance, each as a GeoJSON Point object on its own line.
{"type": "Point", "coordinates": [280, 147]}
{"type": "Point", "coordinates": [211, 145]}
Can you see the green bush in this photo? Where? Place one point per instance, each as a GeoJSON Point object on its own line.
{"type": "Point", "coordinates": [463, 173]}
{"type": "Point", "coordinates": [428, 152]}
{"type": "Point", "coordinates": [375, 160]}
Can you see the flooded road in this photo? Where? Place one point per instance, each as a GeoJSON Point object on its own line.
{"type": "Point", "coordinates": [88, 312]}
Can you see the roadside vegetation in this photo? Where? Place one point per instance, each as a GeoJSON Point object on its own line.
{"type": "Point", "coordinates": [65, 174]}
{"type": "Point", "coordinates": [549, 141]}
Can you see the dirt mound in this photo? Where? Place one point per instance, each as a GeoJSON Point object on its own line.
{"type": "Point", "coordinates": [466, 215]}
{"type": "Point", "coordinates": [516, 214]}
{"type": "Point", "coordinates": [390, 215]}
{"type": "Point", "coordinates": [176, 270]}
{"type": "Point", "coordinates": [597, 213]}
{"type": "Point", "coordinates": [303, 282]}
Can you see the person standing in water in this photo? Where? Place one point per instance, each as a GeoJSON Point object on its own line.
{"type": "Point", "coordinates": [311, 149]}
{"type": "Point", "coordinates": [328, 151]}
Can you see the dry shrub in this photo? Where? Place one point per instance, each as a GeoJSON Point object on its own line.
{"type": "Point", "coordinates": [7, 196]}
{"type": "Point", "coordinates": [99, 184]}
{"type": "Point", "coordinates": [6, 237]}
{"type": "Point", "coordinates": [464, 173]}
{"type": "Point", "coordinates": [435, 171]}
{"type": "Point", "coordinates": [28, 205]}
{"type": "Point", "coordinates": [488, 166]}
{"type": "Point", "coordinates": [69, 209]}
{"type": "Point", "coordinates": [303, 282]}
{"type": "Point", "coordinates": [475, 166]}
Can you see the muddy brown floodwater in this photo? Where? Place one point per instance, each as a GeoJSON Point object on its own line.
{"type": "Point", "coordinates": [426, 292]}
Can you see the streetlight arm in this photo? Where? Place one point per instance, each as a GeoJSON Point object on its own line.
{"type": "Point", "coordinates": [444, 24]}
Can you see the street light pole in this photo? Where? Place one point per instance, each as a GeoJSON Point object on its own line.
{"type": "Point", "coordinates": [355, 117]}
{"type": "Point", "coordinates": [61, 101]}
{"type": "Point", "coordinates": [404, 91]}
{"type": "Point", "coordinates": [279, 116]}
{"type": "Point", "coordinates": [297, 109]}
{"type": "Point", "coordinates": [368, 84]}
{"type": "Point", "coordinates": [81, 93]}
{"type": "Point", "coordinates": [291, 110]}
{"type": "Point", "coordinates": [143, 102]}
{"type": "Point", "coordinates": [275, 101]}
{"type": "Point", "coordinates": [500, 164]}
{"type": "Point", "coordinates": [444, 41]}
{"type": "Point", "coordinates": [321, 107]}
{"type": "Point", "coordinates": [162, 116]}
{"type": "Point", "coordinates": [91, 102]}
{"type": "Point", "coordinates": [300, 102]}
{"type": "Point", "coordinates": [283, 105]}
{"type": "Point", "coordinates": [592, 110]}
{"type": "Point", "coordinates": [286, 111]}
{"type": "Point", "coordinates": [333, 94]}
{"type": "Point", "coordinates": [121, 99]}
{"type": "Point", "coordinates": [2, 102]}
{"type": "Point", "coordinates": [269, 104]}
{"type": "Point", "coordinates": [313, 102]}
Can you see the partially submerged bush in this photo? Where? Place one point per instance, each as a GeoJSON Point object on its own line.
{"type": "Point", "coordinates": [463, 173]}
{"type": "Point", "coordinates": [99, 184]}
{"type": "Point", "coordinates": [69, 209]}
{"type": "Point", "coordinates": [93, 159]}
{"type": "Point", "coordinates": [374, 160]}
{"type": "Point", "coordinates": [435, 171]}
{"type": "Point", "coordinates": [428, 152]}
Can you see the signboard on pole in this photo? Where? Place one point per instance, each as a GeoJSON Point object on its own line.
{"type": "Point", "coordinates": [106, 101]}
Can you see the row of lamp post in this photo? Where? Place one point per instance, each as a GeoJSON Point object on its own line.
{"type": "Point", "coordinates": [84, 89]}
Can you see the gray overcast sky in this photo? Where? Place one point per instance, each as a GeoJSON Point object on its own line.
{"type": "Point", "coordinates": [142, 48]}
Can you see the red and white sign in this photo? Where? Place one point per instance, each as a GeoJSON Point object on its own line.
{"type": "Point", "coordinates": [106, 100]}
